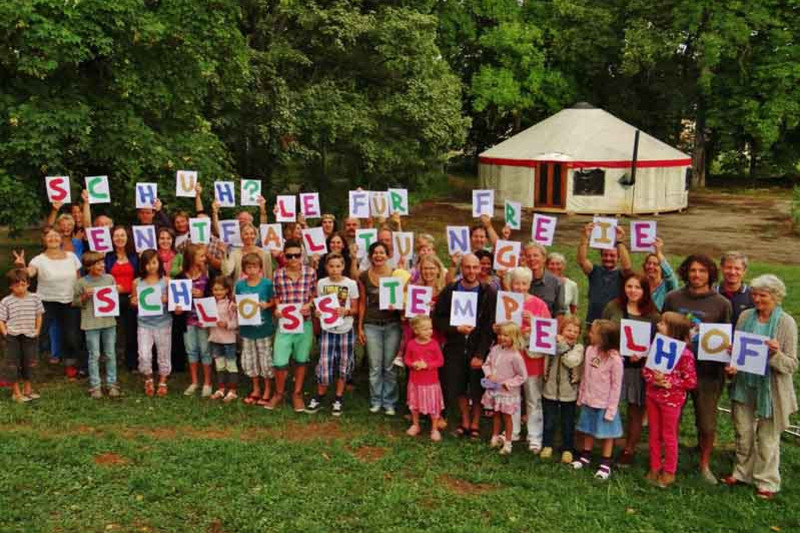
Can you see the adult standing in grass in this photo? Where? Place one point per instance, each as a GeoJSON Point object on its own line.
{"type": "Point", "coordinates": [633, 303]}
{"type": "Point", "coordinates": [173, 267]}
{"type": "Point", "coordinates": [605, 279]}
{"type": "Point", "coordinates": [380, 331]}
{"type": "Point", "coordinates": [58, 272]}
{"type": "Point", "coordinates": [734, 268]}
{"type": "Point", "coordinates": [761, 405]}
{"type": "Point", "coordinates": [660, 274]}
{"type": "Point", "coordinates": [544, 284]}
{"type": "Point", "coordinates": [466, 347]}
{"type": "Point", "coordinates": [232, 265]}
{"type": "Point", "coordinates": [700, 303]}
{"type": "Point", "coordinates": [123, 265]}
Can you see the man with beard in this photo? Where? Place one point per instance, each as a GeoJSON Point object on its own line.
{"type": "Point", "coordinates": [604, 279]}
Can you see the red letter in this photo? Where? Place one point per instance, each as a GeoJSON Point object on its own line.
{"type": "Point", "coordinates": [632, 346]}
{"type": "Point", "coordinates": [102, 295]}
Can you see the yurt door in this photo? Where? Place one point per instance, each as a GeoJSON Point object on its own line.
{"type": "Point", "coordinates": [551, 185]}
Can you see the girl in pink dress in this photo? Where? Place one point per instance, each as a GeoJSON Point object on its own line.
{"type": "Point", "coordinates": [505, 373]}
{"type": "Point", "coordinates": [423, 357]}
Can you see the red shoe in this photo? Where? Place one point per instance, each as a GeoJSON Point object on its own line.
{"type": "Point", "coordinates": [71, 373]}
{"type": "Point", "coordinates": [731, 481]}
{"type": "Point", "coordinates": [765, 494]}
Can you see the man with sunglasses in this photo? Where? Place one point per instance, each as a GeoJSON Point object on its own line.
{"type": "Point", "coordinates": [295, 283]}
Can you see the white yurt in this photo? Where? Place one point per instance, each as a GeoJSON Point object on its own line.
{"type": "Point", "coordinates": [580, 160]}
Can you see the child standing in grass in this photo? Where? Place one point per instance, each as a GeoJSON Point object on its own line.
{"type": "Point", "coordinates": [153, 330]}
{"type": "Point", "coordinates": [257, 340]}
{"type": "Point", "coordinates": [222, 340]}
{"type": "Point", "coordinates": [101, 332]}
{"type": "Point", "coordinates": [560, 389]}
{"type": "Point", "coordinates": [195, 337]}
{"type": "Point", "coordinates": [505, 373]}
{"type": "Point", "coordinates": [665, 395]}
{"type": "Point", "coordinates": [599, 394]}
{"type": "Point", "coordinates": [20, 323]}
{"type": "Point", "coordinates": [423, 358]}
{"type": "Point", "coordinates": [336, 344]}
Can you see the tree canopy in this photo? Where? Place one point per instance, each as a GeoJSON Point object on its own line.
{"type": "Point", "coordinates": [375, 93]}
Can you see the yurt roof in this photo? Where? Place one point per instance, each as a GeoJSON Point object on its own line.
{"type": "Point", "coordinates": [585, 136]}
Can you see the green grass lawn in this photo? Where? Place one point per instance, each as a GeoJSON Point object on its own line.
{"type": "Point", "coordinates": [182, 464]}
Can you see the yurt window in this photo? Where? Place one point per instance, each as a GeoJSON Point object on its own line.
{"type": "Point", "coordinates": [589, 182]}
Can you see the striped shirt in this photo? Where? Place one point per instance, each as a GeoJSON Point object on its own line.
{"type": "Point", "coordinates": [19, 314]}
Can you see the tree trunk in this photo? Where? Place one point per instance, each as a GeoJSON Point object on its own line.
{"type": "Point", "coordinates": [699, 153]}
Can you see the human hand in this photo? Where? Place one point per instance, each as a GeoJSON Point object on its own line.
{"type": "Point", "coordinates": [57, 206]}
{"type": "Point", "coordinates": [85, 196]}
{"type": "Point", "coordinates": [222, 324]}
{"type": "Point", "coordinates": [773, 345]}
{"type": "Point", "coordinates": [19, 257]}
{"type": "Point", "coordinates": [635, 358]}
{"type": "Point", "coordinates": [305, 310]}
{"type": "Point", "coordinates": [730, 371]}
{"type": "Point", "coordinates": [486, 220]}
{"type": "Point", "coordinates": [157, 205]}
{"type": "Point", "coordinates": [362, 338]}
{"type": "Point", "coordinates": [464, 330]}
{"type": "Point", "coordinates": [476, 362]}
{"type": "Point", "coordinates": [658, 245]}
{"type": "Point", "coordinates": [198, 189]}
{"type": "Point", "coordinates": [587, 229]}
{"type": "Point", "coordinates": [215, 206]}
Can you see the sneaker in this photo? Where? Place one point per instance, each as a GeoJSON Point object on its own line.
{"type": "Point", "coordinates": [206, 393]}
{"type": "Point", "coordinates": [535, 449]}
{"type": "Point", "coordinates": [33, 395]}
{"type": "Point", "coordinates": [435, 435]}
{"type": "Point", "coordinates": [398, 362]}
{"type": "Point", "coordinates": [580, 462]}
{"type": "Point", "coordinates": [231, 396]}
{"type": "Point", "coordinates": [390, 411]}
{"type": "Point", "coordinates": [566, 457]}
{"type": "Point", "coordinates": [114, 391]}
{"type": "Point", "coordinates": [218, 394]}
{"type": "Point", "coordinates": [71, 372]}
{"type": "Point", "coordinates": [652, 477]}
{"type": "Point", "coordinates": [190, 390]}
{"type": "Point", "coordinates": [708, 476]}
{"type": "Point", "coordinates": [95, 393]}
{"type": "Point", "coordinates": [313, 406]}
{"type": "Point", "coordinates": [21, 398]}
{"type": "Point", "coordinates": [374, 408]}
{"type": "Point", "coordinates": [546, 453]}
{"type": "Point", "coordinates": [496, 441]}
{"type": "Point", "coordinates": [336, 409]}
{"type": "Point", "coordinates": [506, 449]}
{"type": "Point", "coordinates": [603, 473]}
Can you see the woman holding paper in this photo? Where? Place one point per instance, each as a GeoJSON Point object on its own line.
{"type": "Point", "coordinates": [633, 303]}
{"type": "Point", "coordinates": [123, 265]}
{"type": "Point", "coordinates": [232, 265]}
{"type": "Point", "coordinates": [761, 405]}
{"type": "Point", "coordinates": [659, 272]}
{"type": "Point", "coordinates": [58, 272]}
{"type": "Point", "coordinates": [172, 260]}
{"type": "Point", "coordinates": [380, 331]}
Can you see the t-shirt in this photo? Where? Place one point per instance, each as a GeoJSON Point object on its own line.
{"type": "Point", "coordinates": [88, 320]}
{"type": "Point", "coordinates": [346, 289]}
{"type": "Point", "coordinates": [20, 314]}
{"type": "Point", "coordinates": [265, 293]}
{"type": "Point", "coordinates": [123, 274]}
{"type": "Point", "coordinates": [604, 285]}
{"type": "Point", "coordinates": [549, 289]}
{"type": "Point", "coordinates": [373, 312]}
{"type": "Point", "coordinates": [428, 352]}
{"type": "Point", "coordinates": [200, 283]}
{"type": "Point", "coordinates": [570, 294]}
{"type": "Point", "coordinates": [57, 277]}
{"type": "Point", "coordinates": [709, 308]}
{"type": "Point", "coordinates": [158, 321]}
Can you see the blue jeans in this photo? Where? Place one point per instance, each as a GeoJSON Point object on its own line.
{"type": "Point", "coordinates": [195, 339]}
{"type": "Point", "coordinates": [383, 341]}
{"type": "Point", "coordinates": [107, 337]}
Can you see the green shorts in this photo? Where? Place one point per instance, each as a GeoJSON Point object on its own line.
{"type": "Point", "coordinates": [296, 346]}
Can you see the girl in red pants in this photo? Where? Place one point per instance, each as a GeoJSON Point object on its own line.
{"type": "Point", "coordinates": [664, 397]}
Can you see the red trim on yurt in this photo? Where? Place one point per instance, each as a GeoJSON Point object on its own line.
{"type": "Point", "coordinates": [531, 163]}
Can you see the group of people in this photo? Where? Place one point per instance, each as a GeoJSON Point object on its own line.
{"type": "Point", "coordinates": [457, 373]}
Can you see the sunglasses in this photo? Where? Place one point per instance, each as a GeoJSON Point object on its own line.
{"type": "Point", "coordinates": [293, 256]}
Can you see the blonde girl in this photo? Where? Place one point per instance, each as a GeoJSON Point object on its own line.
{"type": "Point", "coordinates": [423, 358]}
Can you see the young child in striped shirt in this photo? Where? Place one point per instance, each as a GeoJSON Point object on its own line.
{"type": "Point", "coordinates": [20, 322]}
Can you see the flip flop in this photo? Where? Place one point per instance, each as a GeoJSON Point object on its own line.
{"type": "Point", "coordinates": [475, 434]}
{"type": "Point", "coordinates": [262, 402]}
{"type": "Point", "coordinates": [461, 431]}
{"type": "Point", "coordinates": [252, 400]}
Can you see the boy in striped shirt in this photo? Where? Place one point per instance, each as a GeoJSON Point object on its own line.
{"type": "Point", "coordinates": [20, 322]}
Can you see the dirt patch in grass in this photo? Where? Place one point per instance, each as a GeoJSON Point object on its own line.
{"type": "Point", "coordinates": [369, 454]}
{"type": "Point", "coordinates": [110, 459]}
{"type": "Point", "coordinates": [216, 527]}
{"type": "Point", "coordinates": [464, 487]}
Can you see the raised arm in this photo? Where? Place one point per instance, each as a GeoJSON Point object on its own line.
{"type": "Point", "coordinates": [51, 217]}
{"type": "Point", "coordinates": [198, 198]}
{"type": "Point", "coordinates": [583, 249]}
{"type": "Point", "coordinates": [622, 249]}
{"type": "Point", "coordinates": [490, 232]}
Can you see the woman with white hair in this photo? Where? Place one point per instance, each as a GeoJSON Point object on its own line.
{"type": "Point", "coordinates": [519, 281]}
{"type": "Point", "coordinates": [556, 263]}
{"type": "Point", "coordinates": [761, 405]}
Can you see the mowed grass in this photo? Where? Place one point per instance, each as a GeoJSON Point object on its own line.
{"type": "Point", "coordinates": [184, 464]}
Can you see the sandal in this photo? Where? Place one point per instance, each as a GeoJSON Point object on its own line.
{"type": "Point", "coordinates": [262, 402]}
{"type": "Point", "coordinates": [474, 433]}
{"type": "Point", "coordinates": [162, 390]}
{"type": "Point", "coordinates": [149, 389]}
{"type": "Point", "coordinates": [252, 399]}
{"type": "Point", "coordinates": [461, 431]}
